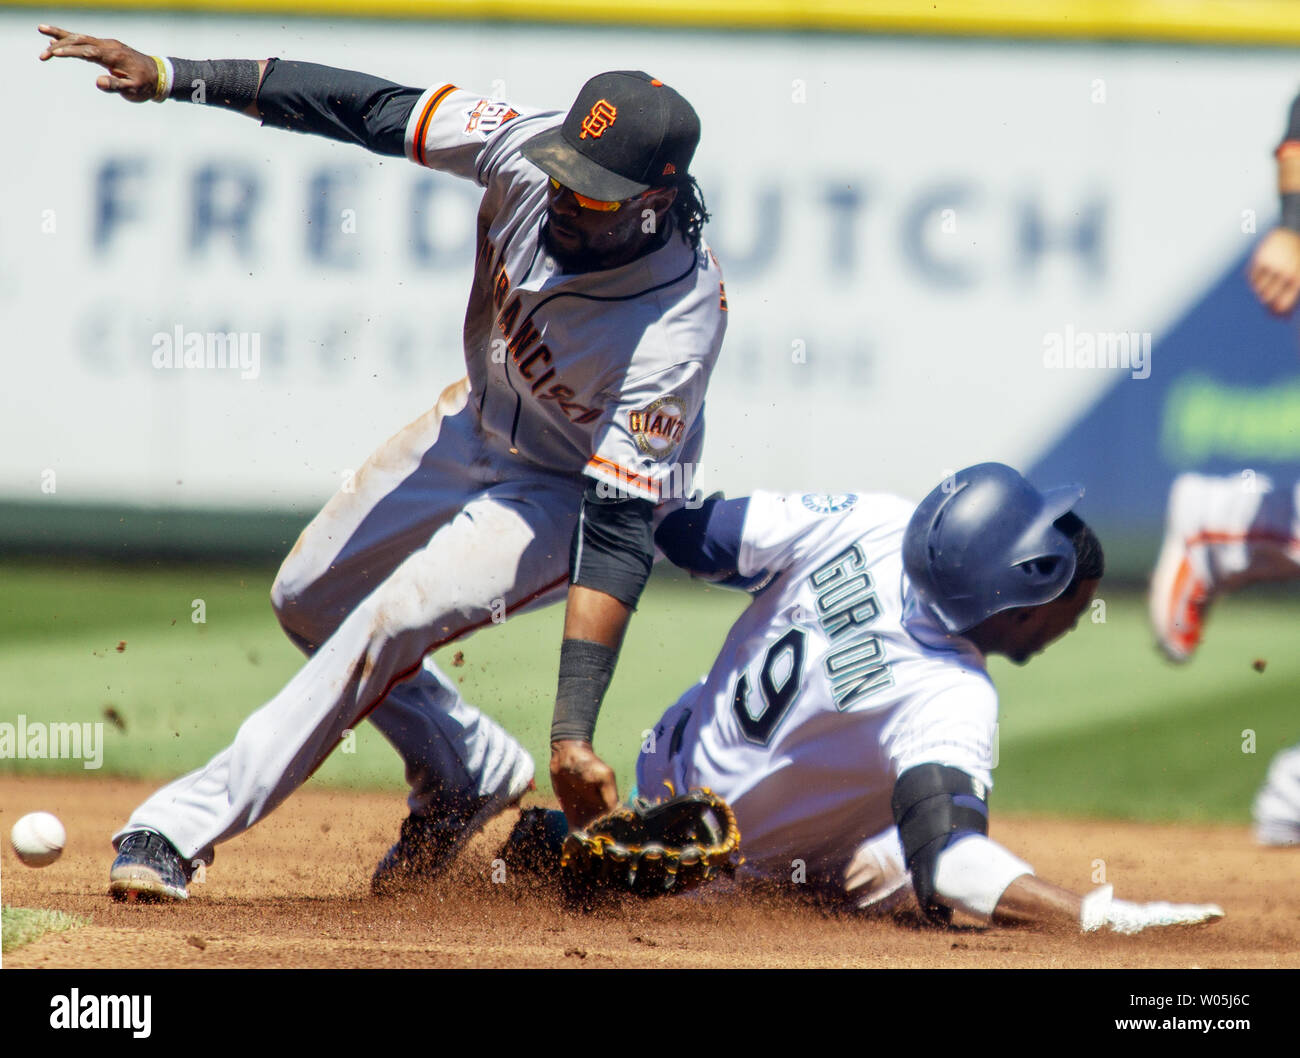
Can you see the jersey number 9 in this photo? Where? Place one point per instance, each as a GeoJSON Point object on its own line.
{"type": "Point", "coordinates": [778, 683]}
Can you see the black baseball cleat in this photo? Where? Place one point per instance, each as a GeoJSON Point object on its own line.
{"type": "Point", "coordinates": [429, 843]}
{"type": "Point", "coordinates": [536, 844]}
{"type": "Point", "coordinates": [148, 869]}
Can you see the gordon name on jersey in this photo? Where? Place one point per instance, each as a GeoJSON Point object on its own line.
{"type": "Point", "coordinates": [832, 682]}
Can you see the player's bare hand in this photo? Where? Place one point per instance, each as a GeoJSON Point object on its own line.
{"type": "Point", "coordinates": [131, 74]}
{"type": "Point", "coordinates": [1275, 271]}
{"type": "Point", "coordinates": [582, 781]}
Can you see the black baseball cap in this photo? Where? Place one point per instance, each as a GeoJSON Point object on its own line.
{"type": "Point", "coordinates": [625, 133]}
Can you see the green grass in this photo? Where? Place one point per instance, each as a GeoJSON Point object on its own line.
{"type": "Point", "coordinates": [181, 689]}
{"type": "Point", "coordinates": [22, 925]}
{"type": "Point", "coordinates": [1098, 725]}
{"type": "Point", "coordinates": [1101, 725]}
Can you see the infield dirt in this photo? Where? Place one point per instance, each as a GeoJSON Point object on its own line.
{"type": "Point", "coordinates": [293, 892]}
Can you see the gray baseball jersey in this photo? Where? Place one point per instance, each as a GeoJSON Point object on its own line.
{"type": "Point", "coordinates": [598, 372]}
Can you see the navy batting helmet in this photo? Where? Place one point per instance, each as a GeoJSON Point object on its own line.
{"type": "Point", "coordinates": [983, 542]}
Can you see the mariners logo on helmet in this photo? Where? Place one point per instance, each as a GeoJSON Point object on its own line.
{"type": "Point", "coordinates": [829, 503]}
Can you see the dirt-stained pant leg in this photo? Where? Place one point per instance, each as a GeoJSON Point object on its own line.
{"type": "Point", "coordinates": [404, 493]}
{"type": "Point", "coordinates": [498, 545]}
{"type": "Point", "coordinates": [409, 488]}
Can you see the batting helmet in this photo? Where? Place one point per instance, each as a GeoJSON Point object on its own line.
{"type": "Point", "coordinates": [983, 542]}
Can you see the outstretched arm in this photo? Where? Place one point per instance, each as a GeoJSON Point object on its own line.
{"type": "Point", "coordinates": [1031, 900]}
{"type": "Point", "coordinates": [942, 818]}
{"type": "Point", "coordinates": [139, 78]}
{"type": "Point", "coordinates": [303, 97]}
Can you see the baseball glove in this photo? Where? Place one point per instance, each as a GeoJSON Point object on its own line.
{"type": "Point", "coordinates": [652, 848]}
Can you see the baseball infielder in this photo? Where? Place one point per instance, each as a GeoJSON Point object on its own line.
{"type": "Point", "coordinates": [594, 321]}
{"type": "Point", "coordinates": [849, 719]}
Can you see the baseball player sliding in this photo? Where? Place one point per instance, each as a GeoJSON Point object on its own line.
{"type": "Point", "coordinates": [594, 320]}
{"type": "Point", "coordinates": [849, 719]}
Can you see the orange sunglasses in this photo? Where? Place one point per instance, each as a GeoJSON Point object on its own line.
{"type": "Point", "coordinates": [593, 203]}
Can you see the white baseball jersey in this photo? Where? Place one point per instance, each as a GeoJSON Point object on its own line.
{"type": "Point", "coordinates": [600, 372]}
{"type": "Point", "coordinates": [831, 684]}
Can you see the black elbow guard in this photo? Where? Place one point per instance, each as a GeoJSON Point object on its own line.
{"type": "Point", "coordinates": [932, 804]}
{"type": "Point", "coordinates": [613, 546]}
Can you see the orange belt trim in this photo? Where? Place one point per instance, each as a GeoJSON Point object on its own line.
{"type": "Point", "coordinates": [624, 475]}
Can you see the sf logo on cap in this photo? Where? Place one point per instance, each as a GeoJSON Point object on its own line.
{"type": "Point", "coordinates": [598, 119]}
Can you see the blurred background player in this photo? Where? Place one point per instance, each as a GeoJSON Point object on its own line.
{"type": "Point", "coordinates": [849, 718]}
{"type": "Point", "coordinates": [1222, 533]}
{"type": "Point", "coordinates": [1275, 269]}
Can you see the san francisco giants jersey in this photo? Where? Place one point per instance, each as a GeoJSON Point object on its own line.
{"type": "Point", "coordinates": [602, 373]}
{"type": "Point", "coordinates": [833, 682]}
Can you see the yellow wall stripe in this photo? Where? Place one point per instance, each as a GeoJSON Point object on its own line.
{"type": "Point", "coordinates": [1259, 22]}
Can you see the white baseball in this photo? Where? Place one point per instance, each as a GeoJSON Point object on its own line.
{"type": "Point", "coordinates": [38, 839]}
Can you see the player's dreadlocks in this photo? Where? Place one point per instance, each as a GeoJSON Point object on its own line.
{"type": "Point", "coordinates": [689, 212]}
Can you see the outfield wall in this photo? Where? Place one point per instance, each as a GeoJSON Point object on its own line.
{"type": "Point", "coordinates": [922, 238]}
{"type": "Point", "coordinates": [1259, 22]}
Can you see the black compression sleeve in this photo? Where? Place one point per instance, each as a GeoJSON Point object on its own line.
{"type": "Point", "coordinates": [613, 546]}
{"type": "Point", "coordinates": [339, 104]}
{"type": "Point", "coordinates": [585, 671]}
{"type": "Point", "coordinates": [230, 83]}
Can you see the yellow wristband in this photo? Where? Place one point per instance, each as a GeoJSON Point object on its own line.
{"type": "Point", "coordinates": [160, 89]}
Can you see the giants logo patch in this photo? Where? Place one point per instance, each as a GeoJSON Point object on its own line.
{"type": "Point", "coordinates": [598, 119]}
{"type": "Point", "coordinates": [487, 116]}
{"type": "Point", "coordinates": [659, 427]}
